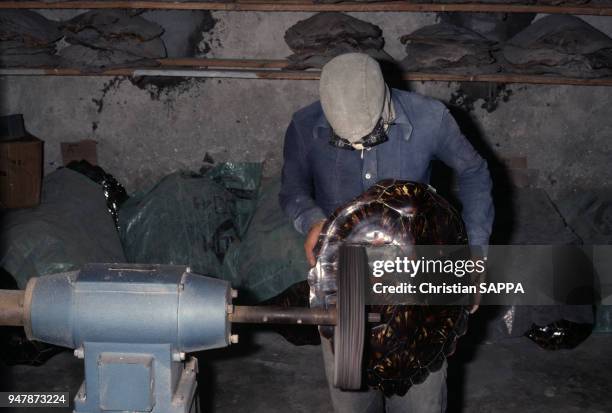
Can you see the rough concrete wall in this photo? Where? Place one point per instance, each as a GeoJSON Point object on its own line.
{"type": "Point", "coordinates": [563, 131]}
{"type": "Point", "coordinates": [141, 139]}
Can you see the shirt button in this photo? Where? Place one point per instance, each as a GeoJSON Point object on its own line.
{"type": "Point", "coordinates": [368, 176]}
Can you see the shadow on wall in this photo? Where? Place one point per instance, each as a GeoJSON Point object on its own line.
{"type": "Point", "coordinates": [443, 180]}
{"type": "Point", "coordinates": [442, 176]}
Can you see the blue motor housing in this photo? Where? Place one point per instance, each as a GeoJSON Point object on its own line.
{"type": "Point", "coordinates": [130, 303]}
{"type": "Point", "coordinates": [132, 324]}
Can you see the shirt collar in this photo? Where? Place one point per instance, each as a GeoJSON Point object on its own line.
{"type": "Point", "coordinates": [401, 114]}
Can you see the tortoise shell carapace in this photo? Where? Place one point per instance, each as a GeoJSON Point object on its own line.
{"type": "Point", "coordinates": [411, 340]}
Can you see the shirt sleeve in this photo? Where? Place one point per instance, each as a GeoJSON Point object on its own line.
{"type": "Point", "coordinates": [296, 194]}
{"type": "Point", "coordinates": [473, 178]}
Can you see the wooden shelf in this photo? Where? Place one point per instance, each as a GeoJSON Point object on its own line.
{"type": "Point", "coordinates": [274, 69]}
{"type": "Point", "coordinates": [310, 6]}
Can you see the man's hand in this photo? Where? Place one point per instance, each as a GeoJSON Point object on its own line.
{"type": "Point", "coordinates": [475, 304]}
{"type": "Point", "coordinates": [311, 241]}
{"type": "Point", "coordinates": [476, 279]}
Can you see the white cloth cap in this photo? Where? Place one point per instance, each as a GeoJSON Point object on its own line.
{"type": "Point", "coordinates": [353, 92]}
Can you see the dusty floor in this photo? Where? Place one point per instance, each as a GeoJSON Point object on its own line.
{"type": "Point", "coordinates": [264, 373]}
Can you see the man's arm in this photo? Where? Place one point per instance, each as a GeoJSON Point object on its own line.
{"type": "Point", "coordinates": [473, 177]}
{"type": "Point", "coordinates": [296, 194]}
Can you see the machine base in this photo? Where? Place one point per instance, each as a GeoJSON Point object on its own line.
{"type": "Point", "coordinates": [136, 378]}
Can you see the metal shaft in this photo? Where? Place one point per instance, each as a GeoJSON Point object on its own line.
{"type": "Point", "coordinates": [289, 315]}
{"type": "Point", "coordinates": [11, 307]}
{"type": "Point", "coordinates": [282, 315]}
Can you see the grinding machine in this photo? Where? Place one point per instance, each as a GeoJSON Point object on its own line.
{"type": "Point", "coordinates": [133, 324]}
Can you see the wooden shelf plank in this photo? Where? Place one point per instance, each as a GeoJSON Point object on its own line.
{"type": "Point", "coordinates": [295, 6]}
{"type": "Point", "coordinates": [227, 63]}
{"type": "Point", "coordinates": [272, 69]}
{"type": "Point", "coordinates": [508, 78]}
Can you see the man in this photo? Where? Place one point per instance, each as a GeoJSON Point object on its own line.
{"type": "Point", "coordinates": [359, 133]}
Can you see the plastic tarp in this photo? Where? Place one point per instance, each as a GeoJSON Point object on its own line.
{"type": "Point", "coordinates": [243, 181]}
{"type": "Point", "coordinates": [270, 258]}
{"type": "Point", "coordinates": [190, 219]}
{"type": "Point", "coordinates": [71, 227]}
{"type": "Point", "coordinates": [223, 223]}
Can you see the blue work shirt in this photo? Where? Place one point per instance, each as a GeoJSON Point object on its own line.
{"type": "Point", "coordinates": [317, 177]}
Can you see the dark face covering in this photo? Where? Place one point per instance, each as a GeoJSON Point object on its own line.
{"type": "Point", "coordinates": [376, 137]}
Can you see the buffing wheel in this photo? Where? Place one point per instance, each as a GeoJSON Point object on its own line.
{"type": "Point", "coordinates": [349, 332]}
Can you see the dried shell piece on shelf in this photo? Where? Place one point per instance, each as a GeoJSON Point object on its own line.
{"type": "Point", "coordinates": [445, 47]}
{"type": "Point", "coordinates": [113, 23]}
{"type": "Point", "coordinates": [111, 38]}
{"type": "Point", "coordinates": [28, 27]}
{"type": "Point", "coordinates": [27, 39]}
{"type": "Point", "coordinates": [323, 36]}
{"type": "Point", "coordinates": [560, 44]}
